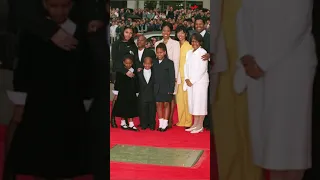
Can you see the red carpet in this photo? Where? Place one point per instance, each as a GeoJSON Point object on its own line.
{"type": "Point", "coordinates": [173, 138]}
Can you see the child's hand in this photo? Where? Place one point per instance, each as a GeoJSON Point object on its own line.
{"type": "Point", "coordinates": [130, 74]}
{"type": "Point", "coordinates": [64, 40]}
{"type": "Point", "coordinates": [139, 69]}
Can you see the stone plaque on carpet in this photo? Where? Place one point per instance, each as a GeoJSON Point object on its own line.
{"type": "Point", "coordinates": [155, 155]}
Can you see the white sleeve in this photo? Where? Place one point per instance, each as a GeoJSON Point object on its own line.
{"type": "Point", "coordinates": [176, 59]}
{"type": "Point", "coordinates": [278, 34]}
{"type": "Point", "coordinates": [115, 92]}
{"type": "Point", "coordinates": [199, 70]}
{"type": "Point", "coordinates": [17, 98]}
{"type": "Point", "coordinates": [186, 69]}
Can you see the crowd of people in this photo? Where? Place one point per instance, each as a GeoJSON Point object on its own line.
{"type": "Point", "coordinates": [175, 72]}
{"type": "Point", "coordinates": [148, 20]}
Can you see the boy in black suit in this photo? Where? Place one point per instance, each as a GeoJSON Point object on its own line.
{"type": "Point", "coordinates": [146, 99]}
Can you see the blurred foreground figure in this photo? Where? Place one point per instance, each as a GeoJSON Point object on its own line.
{"type": "Point", "coordinates": [231, 128]}
{"type": "Point", "coordinates": [279, 99]}
{"type": "Point", "coordinates": [29, 17]}
{"type": "Point", "coordinates": [51, 140]}
{"type": "Point", "coordinates": [313, 173]}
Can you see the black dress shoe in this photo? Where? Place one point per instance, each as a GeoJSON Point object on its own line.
{"type": "Point", "coordinates": [165, 129]}
{"type": "Point", "coordinates": [143, 128]}
{"type": "Point", "coordinates": [152, 128]}
{"type": "Point", "coordinates": [133, 128]}
{"type": "Point", "coordinates": [124, 127]}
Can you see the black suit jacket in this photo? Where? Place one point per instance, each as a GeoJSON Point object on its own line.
{"type": "Point", "coordinates": [146, 90]}
{"type": "Point", "coordinates": [206, 42]}
{"type": "Point", "coordinates": [146, 53]}
{"type": "Point", "coordinates": [164, 76]}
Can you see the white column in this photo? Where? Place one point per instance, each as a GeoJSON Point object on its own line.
{"type": "Point", "coordinates": [158, 5]}
{"type": "Point", "coordinates": [132, 4]}
{"type": "Point", "coordinates": [141, 5]}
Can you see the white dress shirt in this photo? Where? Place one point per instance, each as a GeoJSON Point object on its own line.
{"type": "Point", "coordinates": [140, 53]}
{"type": "Point", "coordinates": [147, 74]}
{"type": "Point", "coordinates": [203, 33]}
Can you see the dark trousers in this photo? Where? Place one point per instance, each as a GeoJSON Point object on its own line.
{"type": "Point", "coordinates": [99, 139]}
{"type": "Point", "coordinates": [147, 114]}
{"type": "Point", "coordinates": [99, 110]}
{"type": "Point", "coordinates": [313, 173]}
{"type": "Point", "coordinates": [208, 118]}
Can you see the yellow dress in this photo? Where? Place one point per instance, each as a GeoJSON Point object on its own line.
{"type": "Point", "coordinates": [184, 117]}
{"type": "Point", "coordinates": [230, 113]}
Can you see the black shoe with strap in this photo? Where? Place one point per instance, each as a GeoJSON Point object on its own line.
{"type": "Point", "coordinates": [133, 128]}
{"type": "Point", "coordinates": [165, 129]}
{"type": "Point", "coordinates": [124, 127]}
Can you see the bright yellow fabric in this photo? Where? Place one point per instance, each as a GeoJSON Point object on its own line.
{"type": "Point", "coordinates": [231, 126]}
{"type": "Point", "coordinates": [184, 117]}
{"type": "Point", "coordinates": [183, 53]}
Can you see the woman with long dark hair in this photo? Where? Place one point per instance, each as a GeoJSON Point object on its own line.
{"type": "Point", "coordinates": [120, 48]}
{"type": "Point", "coordinates": [184, 117]}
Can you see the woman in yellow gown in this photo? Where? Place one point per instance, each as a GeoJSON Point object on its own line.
{"type": "Point", "coordinates": [230, 113]}
{"type": "Point", "coordinates": [184, 117]}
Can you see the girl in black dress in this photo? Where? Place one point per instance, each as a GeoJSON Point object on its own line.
{"type": "Point", "coordinates": [164, 85]}
{"type": "Point", "coordinates": [124, 46]}
{"type": "Point", "coordinates": [126, 90]}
